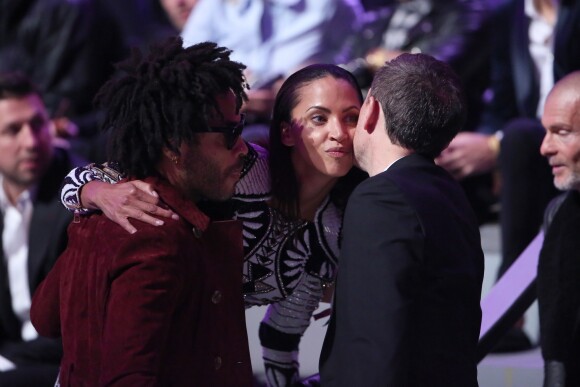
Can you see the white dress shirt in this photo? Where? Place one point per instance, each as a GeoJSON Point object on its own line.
{"type": "Point", "coordinates": [273, 37]}
{"type": "Point", "coordinates": [15, 244]}
{"type": "Point", "coordinates": [541, 45]}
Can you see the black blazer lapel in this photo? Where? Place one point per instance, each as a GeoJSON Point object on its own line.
{"type": "Point", "coordinates": [9, 324]}
{"type": "Point", "coordinates": [47, 236]}
{"type": "Point", "coordinates": [43, 236]}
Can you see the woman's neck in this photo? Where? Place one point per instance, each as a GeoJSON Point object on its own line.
{"type": "Point", "coordinates": [313, 188]}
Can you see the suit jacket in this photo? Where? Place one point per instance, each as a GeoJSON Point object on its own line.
{"type": "Point", "coordinates": [407, 308]}
{"type": "Point", "coordinates": [559, 290]}
{"type": "Point", "coordinates": [47, 240]}
{"type": "Point", "coordinates": [161, 307]}
{"type": "Point", "coordinates": [513, 75]}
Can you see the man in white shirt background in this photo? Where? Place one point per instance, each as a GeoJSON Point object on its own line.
{"type": "Point", "coordinates": [273, 38]}
{"type": "Point", "coordinates": [33, 228]}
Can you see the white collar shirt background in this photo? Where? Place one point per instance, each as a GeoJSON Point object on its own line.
{"type": "Point", "coordinates": [405, 17]}
{"type": "Point", "coordinates": [541, 46]}
{"type": "Point", "coordinates": [16, 219]}
{"type": "Point", "coordinates": [273, 37]}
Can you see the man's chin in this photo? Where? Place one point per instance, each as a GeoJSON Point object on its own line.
{"type": "Point", "coordinates": [25, 179]}
{"type": "Point", "coordinates": [567, 183]}
{"type": "Point", "coordinates": [222, 196]}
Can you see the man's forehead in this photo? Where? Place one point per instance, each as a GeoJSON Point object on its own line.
{"type": "Point", "coordinates": [226, 101]}
{"type": "Point", "coordinates": [228, 110]}
{"type": "Point", "coordinates": [21, 107]}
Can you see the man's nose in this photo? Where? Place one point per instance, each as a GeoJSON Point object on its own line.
{"type": "Point", "coordinates": [547, 145]}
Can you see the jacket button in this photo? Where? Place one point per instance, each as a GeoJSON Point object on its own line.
{"type": "Point", "coordinates": [216, 298]}
{"type": "Point", "coordinates": [217, 363]}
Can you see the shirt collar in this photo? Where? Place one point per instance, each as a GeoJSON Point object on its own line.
{"type": "Point", "coordinates": [531, 11]}
{"type": "Point", "coordinates": [26, 196]}
{"type": "Point", "coordinates": [389, 166]}
{"type": "Point", "coordinates": [183, 206]}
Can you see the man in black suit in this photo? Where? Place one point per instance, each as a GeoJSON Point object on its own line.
{"type": "Point", "coordinates": [451, 31]}
{"type": "Point", "coordinates": [559, 263]}
{"type": "Point", "coordinates": [33, 229]}
{"type": "Point", "coordinates": [406, 311]}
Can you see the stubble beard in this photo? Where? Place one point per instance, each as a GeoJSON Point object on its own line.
{"type": "Point", "coordinates": [27, 178]}
{"type": "Point", "coordinates": [571, 182]}
{"type": "Point", "coordinates": [205, 180]}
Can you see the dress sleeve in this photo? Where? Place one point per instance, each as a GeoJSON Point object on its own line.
{"type": "Point", "coordinates": [78, 177]}
{"type": "Point", "coordinates": [282, 328]}
{"type": "Point", "coordinates": [322, 262]}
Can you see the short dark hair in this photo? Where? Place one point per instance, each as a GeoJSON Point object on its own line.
{"type": "Point", "coordinates": [16, 85]}
{"type": "Point", "coordinates": [284, 183]}
{"type": "Point", "coordinates": [163, 98]}
{"type": "Point", "coordinates": [422, 100]}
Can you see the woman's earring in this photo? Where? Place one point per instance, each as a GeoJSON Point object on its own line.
{"type": "Point", "coordinates": [175, 159]}
{"type": "Point", "coordinates": [286, 137]}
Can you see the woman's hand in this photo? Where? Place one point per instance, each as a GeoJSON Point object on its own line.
{"type": "Point", "coordinates": [121, 201]}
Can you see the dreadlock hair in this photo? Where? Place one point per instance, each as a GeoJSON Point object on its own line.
{"type": "Point", "coordinates": [163, 98]}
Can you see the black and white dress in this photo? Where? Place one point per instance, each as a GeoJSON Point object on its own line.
{"type": "Point", "coordinates": [286, 262]}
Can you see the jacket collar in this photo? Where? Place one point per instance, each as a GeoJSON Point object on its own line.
{"type": "Point", "coordinates": [181, 205]}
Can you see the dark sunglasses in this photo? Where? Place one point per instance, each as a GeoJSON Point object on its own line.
{"type": "Point", "coordinates": [232, 132]}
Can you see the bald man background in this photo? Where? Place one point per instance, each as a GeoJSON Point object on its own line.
{"type": "Point", "coordinates": [559, 265]}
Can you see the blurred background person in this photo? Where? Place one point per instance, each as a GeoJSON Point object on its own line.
{"type": "Point", "coordinates": [533, 45]}
{"type": "Point", "coordinates": [559, 264]}
{"type": "Point", "coordinates": [67, 48]}
{"type": "Point", "coordinates": [178, 11]}
{"type": "Point", "coordinates": [273, 38]}
{"type": "Point", "coordinates": [33, 228]}
{"type": "Point", "coordinates": [146, 21]}
{"type": "Point", "coordinates": [450, 30]}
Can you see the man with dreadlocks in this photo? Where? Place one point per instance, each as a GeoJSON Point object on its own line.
{"type": "Point", "coordinates": [161, 306]}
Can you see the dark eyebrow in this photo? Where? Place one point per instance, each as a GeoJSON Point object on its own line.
{"type": "Point", "coordinates": [37, 117]}
{"type": "Point", "coordinates": [557, 127]}
{"type": "Point", "coordinates": [351, 108]}
{"type": "Point", "coordinates": [327, 110]}
{"type": "Point", "coordinates": [316, 107]}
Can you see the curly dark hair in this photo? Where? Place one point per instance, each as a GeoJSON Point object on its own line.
{"type": "Point", "coordinates": [163, 98]}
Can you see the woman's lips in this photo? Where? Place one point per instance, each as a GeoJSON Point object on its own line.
{"type": "Point", "coordinates": [338, 152]}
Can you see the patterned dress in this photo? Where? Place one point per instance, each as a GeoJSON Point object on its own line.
{"type": "Point", "coordinates": [286, 264]}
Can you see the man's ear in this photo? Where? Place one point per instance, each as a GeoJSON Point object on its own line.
{"type": "Point", "coordinates": [171, 155]}
{"type": "Point", "coordinates": [370, 114]}
{"type": "Point", "coordinates": [286, 135]}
